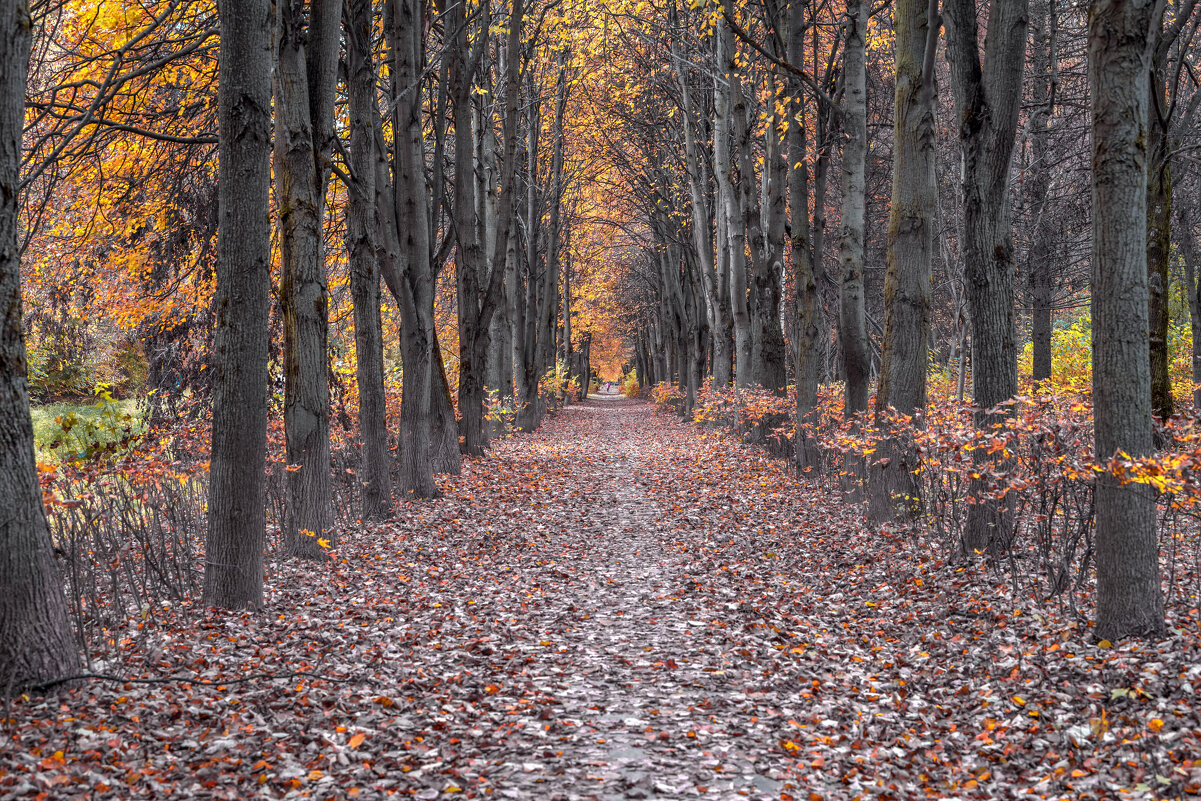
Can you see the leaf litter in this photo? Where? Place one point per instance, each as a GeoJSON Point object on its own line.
{"type": "Point", "coordinates": [617, 607]}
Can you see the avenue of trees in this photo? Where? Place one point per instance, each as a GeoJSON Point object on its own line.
{"type": "Point", "coordinates": [392, 142]}
{"type": "Point", "coordinates": [854, 192]}
{"type": "Point", "coordinates": [777, 193]}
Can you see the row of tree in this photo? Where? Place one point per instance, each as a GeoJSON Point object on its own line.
{"type": "Point", "coordinates": [425, 135]}
{"type": "Point", "coordinates": [746, 111]}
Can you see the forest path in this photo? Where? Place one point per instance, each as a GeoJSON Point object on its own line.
{"type": "Point", "coordinates": [650, 699]}
{"type": "Point", "coordinates": [618, 606]}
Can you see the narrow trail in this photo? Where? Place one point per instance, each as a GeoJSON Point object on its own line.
{"type": "Point", "coordinates": [620, 606]}
{"type": "Point", "coordinates": [650, 701]}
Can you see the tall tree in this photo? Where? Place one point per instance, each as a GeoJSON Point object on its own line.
{"type": "Point", "coordinates": [307, 73]}
{"type": "Point", "coordinates": [1129, 599]}
{"type": "Point", "coordinates": [233, 567]}
{"type": "Point", "coordinates": [403, 213]}
{"type": "Point", "coordinates": [479, 275]}
{"type": "Point", "coordinates": [852, 318]}
{"type": "Point", "coordinates": [1159, 225]}
{"type": "Point", "coordinates": [697, 168]}
{"type": "Point", "coordinates": [902, 383]}
{"type": "Point", "coordinates": [1039, 266]}
{"type": "Point", "coordinates": [988, 97]}
{"type": "Point", "coordinates": [36, 645]}
{"type": "Point", "coordinates": [1164, 81]}
{"type": "Point", "coordinates": [361, 246]}
{"type": "Point", "coordinates": [805, 272]}
{"type": "Point", "coordinates": [728, 104]}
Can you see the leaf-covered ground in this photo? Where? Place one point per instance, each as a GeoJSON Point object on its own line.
{"type": "Point", "coordinates": [621, 607]}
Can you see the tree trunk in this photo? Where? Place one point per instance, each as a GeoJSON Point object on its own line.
{"type": "Point", "coordinates": [987, 100]}
{"type": "Point", "coordinates": [469, 256]}
{"type": "Point", "coordinates": [1129, 600]}
{"type": "Point", "coordinates": [403, 210]}
{"type": "Point", "coordinates": [550, 294]}
{"type": "Point", "coordinates": [1182, 234]}
{"type": "Point", "coordinates": [233, 565]}
{"type": "Point", "coordinates": [770, 349]}
{"type": "Point", "coordinates": [374, 474]}
{"type": "Point", "coordinates": [478, 298]}
{"type": "Point", "coordinates": [807, 281]}
{"type": "Point", "coordinates": [852, 327]}
{"type": "Point", "coordinates": [529, 413]}
{"type": "Point", "coordinates": [729, 102]}
{"type": "Point", "coordinates": [718, 303]}
{"type": "Point", "coordinates": [445, 448]}
{"type": "Point", "coordinates": [902, 383]}
{"type": "Point", "coordinates": [1039, 264]}
{"type": "Point", "coordinates": [307, 74]}
{"type": "Point", "coordinates": [1159, 234]}
{"type": "Point", "coordinates": [852, 316]}
{"type": "Point", "coordinates": [36, 646]}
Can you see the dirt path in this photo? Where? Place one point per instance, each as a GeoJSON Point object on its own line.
{"type": "Point", "coordinates": [650, 701]}
{"type": "Point", "coordinates": [620, 607]}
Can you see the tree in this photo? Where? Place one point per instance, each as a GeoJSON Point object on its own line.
{"type": "Point", "coordinates": [36, 646]}
{"type": "Point", "coordinates": [852, 323]}
{"type": "Point", "coordinates": [307, 72]}
{"type": "Point", "coordinates": [361, 246]}
{"type": "Point", "coordinates": [403, 214]}
{"type": "Point", "coordinates": [1129, 600]}
{"type": "Point", "coordinates": [988, 96]}
{"type": "Point", "coordinates": [479, 275]}
{"type": "Point", "coordinates": [902, 383]}
{"type": "Point", "coordinates": [233, 568]}
{"type": "Point", "coordinates": [806, 271]}
{"type": "Point", "coordinates": [1044, 47]}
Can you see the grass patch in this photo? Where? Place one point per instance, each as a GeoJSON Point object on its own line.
{"type": "Point", "coordinates": [82, 430]}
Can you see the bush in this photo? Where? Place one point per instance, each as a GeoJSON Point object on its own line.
{"type": "Point", "coordinates": [1037, 462]}
{"type": "Point", "coordinates": [630, 386]}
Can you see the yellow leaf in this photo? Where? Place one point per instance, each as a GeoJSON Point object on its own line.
{"type": "Point", "coordinates": [357, 740]}
{"type": "Point", "coordinates": [1019, 700]}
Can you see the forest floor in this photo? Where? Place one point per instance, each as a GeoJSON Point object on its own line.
{"type": "Point", "coordinates": [621, 606]}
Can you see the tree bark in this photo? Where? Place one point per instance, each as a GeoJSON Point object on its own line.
{"type": "Point", "coordinates": [902, 383]}
{"type": "Point", "coordinates": [36, 645]}
{"type": "Point", "coordinates": [307, 73]}
{"type": "Point", "coordinates": [987, 100]}
{"type": "Point", "coordinates": [374, 462]}
{"type": "Point", "coordinates": [727, 104]}
{"type": "Point", "coordinates": [1039, 264]}
{"type": "Point", "coordinates": [852, 316]}
{"type": "Point", "coordinates": [1159, 230]}
{"type": "Point", "coordinates": [1129, 599]}
{"type": "Point", "coordinates": [233, 565]}
{"type": "Point", "coordinates": [403, 209]}
{"type": "Point", "coordinates": [806, 278]}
